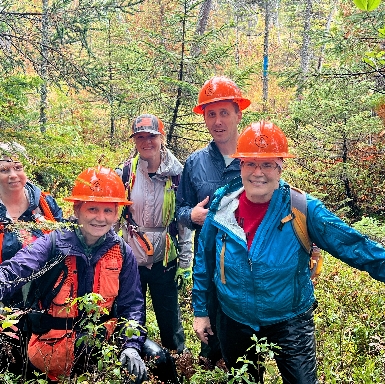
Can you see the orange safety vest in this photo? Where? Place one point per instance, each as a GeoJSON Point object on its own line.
{"type": "Point", "coordinates": [47, 215]}
{"type": "Point", "coordinates": [53, 352]}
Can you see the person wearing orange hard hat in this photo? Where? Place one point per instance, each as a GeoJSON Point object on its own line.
{"type": "Point", "coordinates": [221, 103]}
{"type": "Point", "coordinates": [88, 257]}
{"type": "Point", "coordinates": [261, 269]}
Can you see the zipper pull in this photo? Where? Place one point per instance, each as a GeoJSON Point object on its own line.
{"type": "Point", "coordinates": [251, 264]}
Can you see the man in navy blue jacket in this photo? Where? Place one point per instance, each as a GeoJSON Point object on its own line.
{"type": "Point", "coordinates": [221, 103]}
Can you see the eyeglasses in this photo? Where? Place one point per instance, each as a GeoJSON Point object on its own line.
{"type": "Point", "coordinates": [250, 166]}
{"type": "Point", "coordinates": [5, 170]}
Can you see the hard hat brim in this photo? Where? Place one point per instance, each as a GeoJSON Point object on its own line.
{"type": "Point", "coordinates": [243, 104]}
{"type": "Point", "coordinates": [98, 199]}
{"type": "Point", "coordinates": [239, 155]}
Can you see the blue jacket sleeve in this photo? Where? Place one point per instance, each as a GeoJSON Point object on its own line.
{"type": "Point", "coordinates": [186, 198]}
{"type": "Point", "coordinates": [333, 235]}
{"type": "Point", "coordinates": [130, 303]}
{"type": "Point", "coordinates": [203, 272]}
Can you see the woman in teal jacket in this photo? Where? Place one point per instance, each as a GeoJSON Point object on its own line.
{"type": "Point", "coordinates": [260, 270]}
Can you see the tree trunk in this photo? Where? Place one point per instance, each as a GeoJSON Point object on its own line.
{"type": "Point", "coordinates": [266, 53]}
{"type": "Point", "coordinates": [180, 78]}
{"type": "Point", "coordinates": [305, 51]}
{"type": "Point", "coordinates": [111, 96]}
{"type": "Point", "coordinates": [44, 66]}
{"type": "Point", "coordinates": [327, 29]}
{"type": "Point", "coordinates": [203, 18]}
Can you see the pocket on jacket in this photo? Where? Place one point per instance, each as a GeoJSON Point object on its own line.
{"type": "Point", "coordinates": [53, 352]}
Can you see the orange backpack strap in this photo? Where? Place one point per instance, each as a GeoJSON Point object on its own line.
{"type": "Point", "coordinates": [45, 207]}
{"type": "Point", "coordinates": [299, 215]}
{"type": "Point", "coordinates": [299, 209]}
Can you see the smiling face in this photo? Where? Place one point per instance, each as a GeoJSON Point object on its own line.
{"type": "Point", "coordinates": [148, 145]}
{"type": "Point", "coordinates": [222, 119]}
{"type": "Point", "coordinates": [260, 177]}
{"type": "Point", "coordinates": [95, 219]}
{"type": "Point", "coordinates": [12, 176]}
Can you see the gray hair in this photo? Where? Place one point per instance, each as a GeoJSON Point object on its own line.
{"type": "Point", "coordinates": [12, 149]}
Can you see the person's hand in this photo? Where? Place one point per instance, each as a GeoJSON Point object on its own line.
{"type": "Point", "coordinates": [131, 360]}
{"type": "Point", "coordinates": [199, 212]}
{"type": "Point", "coordinates": [183, 276]}
{"type": "Point", "coordinates": [202, 328]}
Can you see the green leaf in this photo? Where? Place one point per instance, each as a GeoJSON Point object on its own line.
{"type": "Point", "coordinates": [8, 323]}
{"type": "Point", "coordinates": [367, 5]}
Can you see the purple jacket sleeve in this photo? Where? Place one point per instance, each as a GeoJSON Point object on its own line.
{"type": "Point", "coordinates": [16, 272]}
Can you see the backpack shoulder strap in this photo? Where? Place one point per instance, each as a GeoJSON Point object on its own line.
{"type": "Point", "coordinates": [126, 171]}
{"type": "Point", "coordinates": [45, 207]}
{"type": "Point", "coordinates": [175, 180]}
{"type": "Point", "coordinates": [43, 287]}
{"type": "Point", "coordinates": [299, 211]}
{"type": "Point", "coordinates": [122, 247]}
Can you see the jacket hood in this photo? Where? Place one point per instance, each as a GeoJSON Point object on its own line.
{"type": "Point", "coordinates": [34, 193]}
{"type": "Point", "coordinates": [170, 165]}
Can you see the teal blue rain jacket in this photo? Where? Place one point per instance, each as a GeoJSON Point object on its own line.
{"type": "Point", "coordinates": [271, 282]}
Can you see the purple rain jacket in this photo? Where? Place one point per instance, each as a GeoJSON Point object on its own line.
{"type": "Point", "coordinates": [31, 259]}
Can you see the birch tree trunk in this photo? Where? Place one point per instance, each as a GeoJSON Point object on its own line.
{"type": "Point", "coordinates": [327, 29]}
{"type": "Point", "coordinates": [305, 50]}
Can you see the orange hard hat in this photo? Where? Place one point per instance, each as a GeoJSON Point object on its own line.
{"type": "Point", "coordinates": [263, 139]}
{"type": "Point", "coordinates": [99, 184]}
{"type": "Point", "coordinates": [220, 88]}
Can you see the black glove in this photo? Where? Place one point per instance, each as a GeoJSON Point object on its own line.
{"type": "Point", "coordinates": [131, 360]}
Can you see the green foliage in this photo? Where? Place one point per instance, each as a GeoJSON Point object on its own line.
{"type": "Point", "coordinates": [367, 5]}
{"type": "Point", "coordinates": [349, 325]}
{"type": "Point", "coordinates": [58, 156]}
{"type": "Point", "coordinates": [371, 227]}
{"type": "Point", "coordinates": [203, 376]}
{"type": "Point", "coordinates": [331, 128]}
{"type": "Point", "coordinates": [14, 98]}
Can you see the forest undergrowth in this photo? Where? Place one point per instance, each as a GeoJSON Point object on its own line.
{"type": "Point", "coordinates": [350, 333]}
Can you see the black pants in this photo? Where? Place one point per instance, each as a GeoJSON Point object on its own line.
{"type": "Point", "coordinates": [296, 358]}
{"type": "Point", "coordinates": [164, 294]}
{"type": "Point", "coordinates": [13, 352]}
{"type": "Point", "coordinates": [212, 350]}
